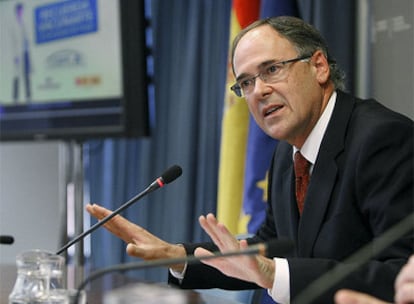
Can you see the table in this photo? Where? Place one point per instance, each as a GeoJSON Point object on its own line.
{"type": "Point", "coordinates": [116, 287]}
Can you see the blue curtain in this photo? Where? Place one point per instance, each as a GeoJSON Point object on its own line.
{"type": "Point", "coordinates": [336, 20]}
{"type": "Point", "coordinates": [190, 51]}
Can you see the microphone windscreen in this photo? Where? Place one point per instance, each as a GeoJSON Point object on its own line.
{"type": "Point", "coordinates": [6, 239]}
{"type": "Point", "coordinates": [171, 174]}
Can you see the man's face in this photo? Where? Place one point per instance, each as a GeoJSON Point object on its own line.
{"type": "Point", "coordinates": [288, 109]}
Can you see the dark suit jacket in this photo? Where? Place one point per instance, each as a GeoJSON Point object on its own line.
{"type": "Point", "coordinates": [361, 185]}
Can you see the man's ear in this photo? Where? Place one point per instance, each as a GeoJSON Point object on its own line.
{"type": "Point", "coordinates": [321, 64]}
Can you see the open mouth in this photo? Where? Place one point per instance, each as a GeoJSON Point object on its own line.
{"type": "Point", "coordinates": [272, 110]}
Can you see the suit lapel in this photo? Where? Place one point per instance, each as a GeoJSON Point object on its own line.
{"type": "Point", "coordinates": [324, 175]}
{"type": "Point", "coordinates": [284, 210]}
{"type": "Point", "coordinates": [290, 213]}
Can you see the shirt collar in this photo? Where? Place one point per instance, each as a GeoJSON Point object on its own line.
{"type": "Point", "coordinates": [310, 148]}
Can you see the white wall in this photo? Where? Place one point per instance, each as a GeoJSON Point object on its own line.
{"type": "Point", "coordinates": [392, 45]}
{"type": "Point", "coordinates": [30, 197]}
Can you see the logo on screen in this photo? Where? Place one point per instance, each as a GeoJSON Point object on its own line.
{"type": "Point", "coordinates": [49, 84]}
{"type": "Point", "coordinates": [88, 80]}
{"type": "Point", "coordinates": [65, 58]}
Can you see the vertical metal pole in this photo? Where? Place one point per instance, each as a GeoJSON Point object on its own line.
{"type": "Point", "coordinates": [78, 209]}
{"type": "Point", "coordinates": [73, 156]}
{"type": "Point", "coordinates": [363, 64]}
{"type": "Point", "coordinates": [64, 175]}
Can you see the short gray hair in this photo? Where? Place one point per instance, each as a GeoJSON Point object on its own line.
{"type": "Point", "coordinates": [305, 38]}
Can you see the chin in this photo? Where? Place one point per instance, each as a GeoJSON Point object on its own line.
{"type": "Point", "coordinates": [272, 133]}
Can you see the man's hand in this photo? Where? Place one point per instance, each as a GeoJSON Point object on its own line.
{"type": "Point", "coordinates": [352, 297]}
{"type": "Point", "coordinates": [404, 290]}
{"type": "Point", "coordinates": [257, 269]}
{"type": "Point", "coordinates": [404, 284]}
{"type": "Point", "coordinates": [141, 243]}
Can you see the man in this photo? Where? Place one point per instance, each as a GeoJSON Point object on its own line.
{"type": "Point", "coordinates": [360, 161]}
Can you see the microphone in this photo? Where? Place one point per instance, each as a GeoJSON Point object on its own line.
{"type": "Point", "coordinates": [6, 239]}
{"type": "Point", "coordinates": [167, 177]}
{"type": "Point", "coordinates": [273, 248]}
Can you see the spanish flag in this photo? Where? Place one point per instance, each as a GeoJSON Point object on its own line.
{"type": "Point", "coordinates": [260, 147]}
{"type": "Point", "coordinates": [245, 150]}
{"type": "Point", "coordinates": [234, 132]}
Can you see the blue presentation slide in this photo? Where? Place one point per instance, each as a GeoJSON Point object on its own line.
{"type": "Point", "coordinates": [59, 50]}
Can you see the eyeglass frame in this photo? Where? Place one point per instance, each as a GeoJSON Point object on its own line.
{"type": "Point", "coordinates": [236, 88]}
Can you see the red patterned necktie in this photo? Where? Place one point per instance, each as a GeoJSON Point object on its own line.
{"type": "Point", "coordinates": [302, 179]}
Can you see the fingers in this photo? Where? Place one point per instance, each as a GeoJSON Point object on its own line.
{"type": "Point", "coordinates": [404, 284]}
{"type": "Point", "coordinates": [134, 250]}
{"type": "Point", "coordinates": [406, 274]}
{"type": "Point", "coordinates": [209, 228]}
{"type": "Point", "coordinates": [352, 297]}
{"type": "Point", "coordinates": [249, 268]}
{"type": "Point", "coordinates": [243, 244]}
{"type": "Point", "coordinates": [100, 213]}
{"type": "Point", "coordinates": [201, 252]}
{"type": "Point", "coordinates": [118, 225]}
{"type": "Point", "coordinates": [218, 263]}
{"type": "Point", "coordinates": [405, 294]}
{"type": "Point", "coordinates": [150, 247]}
{"type": "Point", "coordinates": [141, 243]}
{"type": "Point", "coordinates": [97, 211]}
{"type": "Point", "coordinates": [219, 233]}
{"type": "Point", "coordinates": [157, 250]}
{"type": "Point", "coordinates": [139, 251]}
{"type": "Point", "coordinates": [346, 297]}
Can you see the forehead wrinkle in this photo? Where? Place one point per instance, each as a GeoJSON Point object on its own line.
{"type": "Point", "coordinates": [252, 46]}
{"type": "Point", "coordinates": [259, 68]}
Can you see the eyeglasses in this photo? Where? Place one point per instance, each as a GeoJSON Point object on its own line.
{"type": "Point", "coordinates": [270, 73]}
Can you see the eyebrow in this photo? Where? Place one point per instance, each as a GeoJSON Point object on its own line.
{"type": "Point", "coordinates": [259, 67]}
